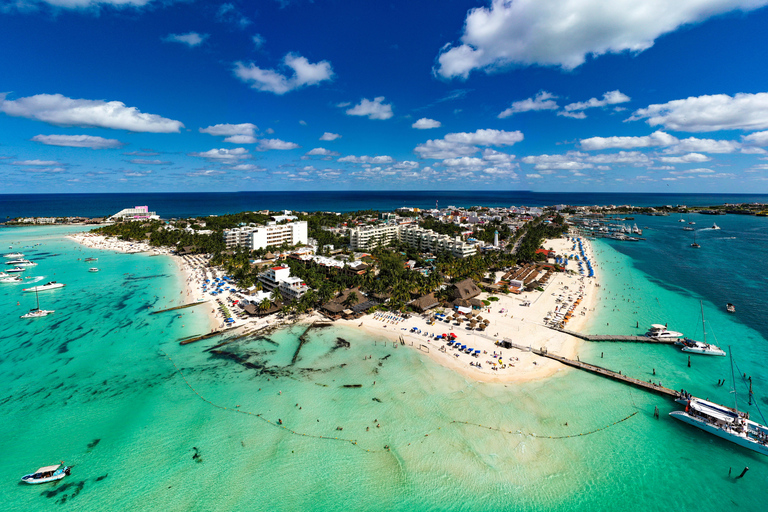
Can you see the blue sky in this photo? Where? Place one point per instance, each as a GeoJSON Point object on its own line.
{"type": "Point", "coordinates": [545, 95]}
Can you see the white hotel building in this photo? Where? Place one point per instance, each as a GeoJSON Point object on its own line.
{"type": "Point", "coordinates": [257, 237]}
{"type": "Point", "coordinates": [363, 238]}
{"type": "Point", "coordinates": [291, 287]}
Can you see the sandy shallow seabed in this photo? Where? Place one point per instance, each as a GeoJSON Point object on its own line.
{"type": "Point", "coordinates": [523, 325]}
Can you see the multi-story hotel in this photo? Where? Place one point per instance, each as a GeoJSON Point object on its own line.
{"type": "Point", "coordinates": [367, 237]}
{"type": "Point", "coordinates": [135, 213]}
{"type": "Point", "coordinates": [257, 237]}
{"type": "Point", "coordinates": [290, 287]}
{"type": "Point", "coordinates": [428, 240]}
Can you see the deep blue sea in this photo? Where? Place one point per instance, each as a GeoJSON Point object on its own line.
{"type": "Point", "coordinates": [169, 205]}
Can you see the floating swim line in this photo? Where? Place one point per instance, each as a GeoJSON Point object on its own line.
{"type": "Point", "coordinates": [546, 437]}
{"type": "Point", "coordinates": [259, 416]}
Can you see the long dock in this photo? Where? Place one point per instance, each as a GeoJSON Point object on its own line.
{"type": "Point", "coordinates": [598, 370]}
{"type": "Point", "coordinates": [618, 337]}
{"type": "Point", "coordinates": [187, 341]}
{"type": "Point", "coordinates": [184, 306]}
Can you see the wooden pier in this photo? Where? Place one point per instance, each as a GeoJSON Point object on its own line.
{"type": "Point", "coordinates": [187, 341]}
{"type": "Point", "coordinates": [184, 306]}
{"type": "Point", "coordinates": [617, 337]}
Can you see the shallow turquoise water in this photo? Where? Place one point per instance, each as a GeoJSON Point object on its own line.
{"type": "Point", "coordinates": [96, 369]}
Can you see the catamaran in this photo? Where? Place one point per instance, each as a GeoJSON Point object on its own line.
{"type": "Point", "coordinates": [729, 424]}
{"type": "Point", "coordinates": [37, 312]}
{"type": "Point", "coordinates": [701, 347]}
{"type": "Point", "coordinates": [47, 474]}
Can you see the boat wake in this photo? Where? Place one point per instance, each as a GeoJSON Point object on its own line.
{"type": "Point", "coordinates": [34, 279]}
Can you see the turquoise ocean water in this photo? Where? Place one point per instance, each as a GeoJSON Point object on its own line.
{"type": "Point", "coordinates": [91, 384]}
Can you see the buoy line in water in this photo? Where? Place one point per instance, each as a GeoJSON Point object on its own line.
{"type": "Point", "coordinates": [547, 437]}
{"type": "Point", "coordinates": [277, 425]}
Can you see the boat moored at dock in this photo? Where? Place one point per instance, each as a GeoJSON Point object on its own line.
{"type": "Point", "coordinates": [659, 331]}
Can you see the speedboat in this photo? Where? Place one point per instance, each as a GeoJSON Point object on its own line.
{"type": "Point", "coordinates": [660, 332]}
{"type": "Point", "coordinates": [715, 226]}
{"type": "Point", "coordinates": [91, 259]}
{"type": "Point", "coordinates": [93, 269]}
{"type": "Point", "coordinates": [730, 308]}
{"type": "Point", "coordinates": [700, 347]}
{"type": "Point", "coordinates": [16, 261]}
{"type": "Point", "coordinates": [13, 255]}
{"type": "Point", "coordinates": [26, 263]}
{"type": "Point", "coordinates": [16, 269]}
{"type": "Point", "coordinates": [47, 474]}
{"type": "Point", "coordinates": [686, 228]}
{"type": "Point", "coordinates": [47, 286]}
{"type": "Point", "coordinates": [11, 279]}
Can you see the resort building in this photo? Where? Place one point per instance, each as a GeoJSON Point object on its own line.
{"type": "Point", "coordinates": [257, 237]}
{"type": "Point", "coordinates": [366, 237]}
{"type": "Point", "coordinates": [292, 288]}
{"type": "Point", "coordinates": [135, 213]}
{"type": "Point", "coordinates": [428, 240]}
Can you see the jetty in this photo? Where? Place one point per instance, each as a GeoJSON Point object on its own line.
{"type": "Point", "coordinates": [619, 337]}
{"type": "Point", "coordinates": [598, 370]}
{"type": "Point", "coordinates": [187, 341]}
{"type": "Point", "coordinates": [184, 306]}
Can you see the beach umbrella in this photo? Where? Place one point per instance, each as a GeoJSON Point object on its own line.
{"type": "Point", "coordinates": [486, 322]}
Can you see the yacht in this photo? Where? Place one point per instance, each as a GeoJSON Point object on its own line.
{"type": "Point", "coordinates": [16, 269]}
{"type": "Point", "coordinates": [660, 332]}
{"type": "Point", "coordinates": [47, 286]}
{"type": "Point", "coordinates": [701, 347]}
{"type": "Point", "coordinates": [37, 312]}
{"type": "Point", "coordinates": [26, 263]}
{"type": "Point", "coordinates": [730, 308]}
{"type": "Point", "coordinates": [16, 261]}
{"type": "Point", "coordinates": [13, 255]}
{"type": "Point", "coordinates": [11, 279]}
{"type": "Point", "coordinates": [694, 244]}
{"type": "Point", "coordinates": [715, 226]}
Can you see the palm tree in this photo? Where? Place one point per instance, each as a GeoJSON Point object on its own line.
{"type": "Point", "coordinates": [276, 296]}
{"type": "Point", "coordinates": [265, 305]}
{"type": "Point", "coordinates": [351, 299]}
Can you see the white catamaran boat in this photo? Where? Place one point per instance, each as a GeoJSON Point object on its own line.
{"type": "Point", "coordinates": [660, 332]}
{"type": "Point", "coordinates": [730, 424]}
{"type": "Point", "coordinates": [47, 286]}
{"type": "Point", "coordinates": [37, 312]}
{"type": "Point", "coordinates": [47, 474]}
{"type": "Point", "coordinates": [701, 347]}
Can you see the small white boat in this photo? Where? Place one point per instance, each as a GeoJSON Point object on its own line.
{"type": "Point", "coordinates": [11, 279]}
{"type": "Point", "coordinates": [37, 313]}
{"type": "Point", "coordinates": [660, 332]}
{"type": "Point", "coordinates": [715, 226]}
{"type": "Point", "coordinates": [93, 269]}
{"type": "Point", "coordinates": [16, 261]}
{"type": "Point", "coordinates": [13, 255]}
{"type": "Point", "coordinates": [730, 308]}
{"type": "Point", "coordinates": [26, 263]}
{"type": "Point", "coordinates": [47, 474]}
{"type": "Point", "coordinates": [699, 347]}
{"type": "Point", "coordinates": [16, 269]}
{"type": "Point", "coordinates": [47, 286]}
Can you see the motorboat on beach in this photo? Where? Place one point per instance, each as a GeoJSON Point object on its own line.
{"type": "Point", "coordinates": [52, 285]}
{"type": "Point", "coordinates": [13, 255]}
{"type": "Point", "coordinates": [730, 308]}
{"type": "Point", "coordinates": [660, 332]}
{"type": "Point", "coordinates": [47, 474]}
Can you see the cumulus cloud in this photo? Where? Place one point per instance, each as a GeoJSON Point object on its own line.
{"type": "Point", "coordinates": [143, 161]}
{"type": "Point", "coordinates": [37, 163]}
{"type": "Point", "coordinates": [693, 144]}
{"type": "Point", "coordinates": [573, 160]}
{"type": "Point", "coordinates": [241, 139]}
{"type": "Point", "coordinates": [685, 159]}
{"type": "Point", "coordinates": [609, 98]}
{"type": "Point", "coordinates": [381, 159]}
{"type": "Point", "coordinates": [709, 113]}
{"type": "Point", "coordinates": [247, 167]}
{"type": "Point", "coordinates": [268, 144]}
{"type": "Point", "coordinates": [456, 145]}
{"type": "Point", "coordinates": [542, 101]}
{"type": "Point", "coordinates": [228, 13]}
{"type": "Point", "coordinates": [59, 110]}
{"type": "Point", "coordinates": [78, 141]}
{"type": "Point", "coordinates": [205, 172]}
{"type": "Point", "coordinates": [657, 138]}
{"type": "Point", "coordinates": [321, 152]}
{"type": "Point", "coordinates": [756, 139]}
{"type": "Point", "coordinates": [564, 32]}
{"type": "Point", "coordinates": [375, 109]}
{"type": "Point", "coordinates": [224, 155]}
{"type": "Point", "coordinates": [230, 129]}
{"type": "Point", "coordinates": [425, 124]}
{"type": "Point", "coordinates": [330, 136]}
{"type": "Point", "coordinates": [85, 4]}
{"type": "Point", "coordinates": [304, 74]}
{"type": "Point", "coordinates": [190, 39]}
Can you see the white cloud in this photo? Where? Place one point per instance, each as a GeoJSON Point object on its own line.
{"type": "Point", "coordinates": [47, 163]}
{"type": "Point", "coordinates": [542, 101]}
{"type": "Point", "coordinates": [657, 138]}
{"type": "Point", "coordinates": [563, 33]}
{"type": "Point", "coordinates": [205, 172]}
{"type": "Point", "coordinates": [573, 115]}
{"type": "Point", "coordinates": [464, 161]}
{"type": "Point", "coordinates": [491, 155]}
{"type": "Point", "coordinates": [228, 13]}
{"type": "Point", "coordinates": [302, 122]}
{"type": "Point", "coordinates": [322, 152]}
{"type": "Point", "coordinates": [267, 144]}
{"type": "Point", "coordinates": [224, 155]}
{"type": "Point", "coordinates": [709, 113]}
{"type": "Point", "coordinates": [700, 170]}
{"type": "Point", "coordinates": [375, 109]}
{"type": "Point", "coordinates": [692, 144]}
{"type": "Point", "coordinates": [191, 39]}
{"type": "Point", "coordinates": [62, 111]}
{"type": "Point", "coordinates": [622, 157]}
{"type": "Point", "coordinates": [330, 136]}
{"type": "Point", "coordinates": [241, 139]}
{"type": "Point", "coordinates": [85, 4]}
{"type": "Point", "coordinates": [609, 98]}
{"type": "Point", "coordinates": [375, 160]}
{"type": "Point", "coordinates": [78, 141]}
{"type": "Point", "coordinates": [230, 129]}
{"type": "Point", "coordinates": [534, 176]}
{"type": "Point", "coordinates": [268, 80]}
{"type": "Point", "coordinates": [455, 145]}
{"type": "Point", "coordinates": [572, 160]}
{"type": "Point", "coordinates": [756, 139]}
{"type": "Point", "coordinates": [425, 124]}
{"type": "Point", "coordinates": [142, 161]}
{"type": "Point", "coordinates": [247, 167]}
{"type": "Point", "coordinates": [258, 40]}
{"type": "Point", "coordinates": [685, 159]}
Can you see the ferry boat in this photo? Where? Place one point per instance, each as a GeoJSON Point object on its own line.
{"type": "Point", "coordinates": [47, 474]}
{"type": "Point", "coordinates": [47, 286]}
{"type": "Point", "coordinates": [730, 308]}
{"type": "Point", "coordinates": [660, 332]}
{"type": "Point", "coordinates": [13, 255]}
